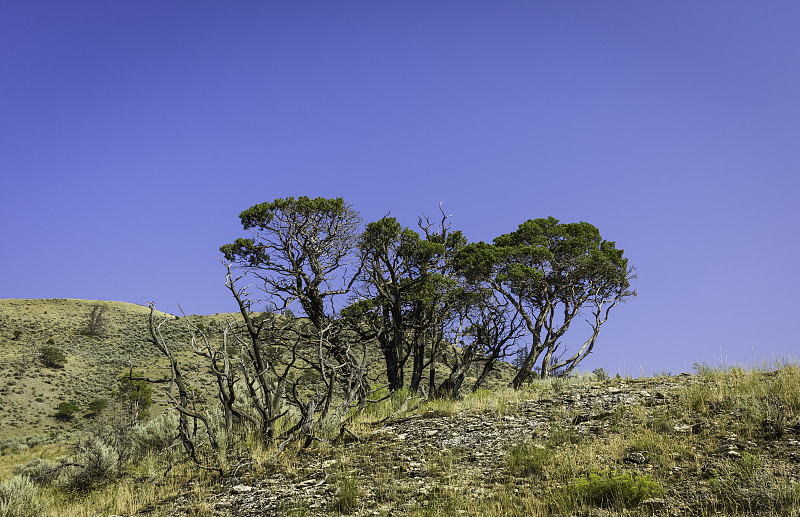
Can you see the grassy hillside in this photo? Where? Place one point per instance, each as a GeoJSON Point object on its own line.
{"type": "Point", "coordinates": [30, 391]}
{"type": "Point", "coordinates": [720, 442]}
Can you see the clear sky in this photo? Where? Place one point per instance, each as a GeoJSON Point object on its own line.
{"type": "Point", "coordinates": [133, 133]}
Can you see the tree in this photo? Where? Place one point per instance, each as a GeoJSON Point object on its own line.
{"type": "Point", "coordinates": [299, 247]}
{"type": "Point", "coordinates": [301, 250]}
{"type": "Point", "coordinates": [495, 328]}
{"type": "Point", "coordinates": [406, 291]}
{"type": "Point", "coordinates": [96, 320]}
{"type": "Point", "coordinates": [389, 274]}
{"type": "Point", "coordinates": [96, 406]}
{"type": "Point", "coordinates": [66, 410]}
{"type": "Point", "coordinates": [52, 356]}
{"type": "Point", "coordinates": [135, 394]}
{"type": "Point", "coordinates": [551, 273]}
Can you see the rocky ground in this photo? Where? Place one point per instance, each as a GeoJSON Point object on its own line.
{"type": "Point", "coordinates": [407, 464]}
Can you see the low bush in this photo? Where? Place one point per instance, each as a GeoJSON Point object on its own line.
{"type": "Point", "coordinates": [94, 464]}
{"type": "Point", "coordinates": [610, 489]}
{"type": "Point", "coordinates": [40, 471]}
{"type": "Point", "coordinates": [155, 436]}
{"type": "Point", "coordinates": [527, 459]}
{"type": "Point", "coordinates": [52, 356]}
{"type": "Point", "coordinates": [66, 410]}
{"type": "Point", "coordinates": [19, 497]}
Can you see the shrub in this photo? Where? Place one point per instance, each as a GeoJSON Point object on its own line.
{"type": "Point", "coordinates": [95, 462]}
{"type": "Point", "coordinates": [157, 435]}
{"type": "Point", "coordinates": [615, 490]}
{"type": "Point", "coordinates": [66, 410]}
{"type": "Point", "coordinates": [19, 498]}
{"type": "Point", "coordinates": [527, 459]}
{"type": "Point", "coordinates": [97, 405]}
{"type": "Point", "coordinates": [40, 471]}
{"type": "Point", "coordinates": [52, 356]}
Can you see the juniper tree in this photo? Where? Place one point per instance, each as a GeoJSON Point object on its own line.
{"type": "Point", "coordinates": [302, 250]}
{"type": "Point", "coordinates": [552, 273]}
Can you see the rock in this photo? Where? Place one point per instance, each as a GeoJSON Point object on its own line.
{"type": "Point", "coordinates": [637, 458]}
{"type": "Point", "coordinates": [241, 489]}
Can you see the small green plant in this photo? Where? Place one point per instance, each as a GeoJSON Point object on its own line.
{"type": "Point", "coordinates": [600, 373]}
{"type": "Point", "coordinates": [610, 489]}
{"type": "Point", "coordinates": [527, 459]}
{"type": "Point", "coordinates": [52, 356]}
{"type": "Point", "coordinates": [97, 405]}
{"type": "Point", "coordinates": [17, 335]}
{"type": "Point", "coordinates": [348, 492]}
{"type": "Point", "coordinates": [66, 410]}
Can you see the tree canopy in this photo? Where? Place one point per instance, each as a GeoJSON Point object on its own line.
{"type": "Point", "coordinates": [551, 272]}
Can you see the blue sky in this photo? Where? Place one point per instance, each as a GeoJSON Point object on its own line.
{"type": "Point", "coordinates": [133, 133]}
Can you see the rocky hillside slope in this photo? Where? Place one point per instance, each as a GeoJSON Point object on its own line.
{"type": "Point", "coordinates": [719, 442]}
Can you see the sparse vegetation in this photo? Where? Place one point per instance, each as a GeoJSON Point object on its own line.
{"type": "Point", "coordinates": [721, 441]}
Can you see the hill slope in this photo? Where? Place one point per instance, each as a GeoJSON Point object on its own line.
{"type": "Point", "coordinates": [31, 392]}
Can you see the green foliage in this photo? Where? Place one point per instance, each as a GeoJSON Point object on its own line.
{"type": "Point", "coordinates": [527, 459]}
{"type": "Point", "coordinates": [134, 393]}
{"type": "Point", "coordinates": [611, 489]}
{"type": "Point", "coordinates": [66, 410]}
{"type": "Point", "coordinates": [155, 436]}
{"type": "Point", "coordinates": [17, 335]}
{"type": "Point", "coordinates": [52, 356]}
{"type": "Point", "coordinates": [347, 492]}
{"type": "Point", "coordinates": [19, 497]}
{"type": "Point", "coordinates": [95, 464]}
{"type": "Point", "coordinates": [600, 374]}
{"type": "Point", "coordinates": [97, 406]}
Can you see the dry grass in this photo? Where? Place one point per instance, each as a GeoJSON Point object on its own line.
{"type": "Point", "coordinates": [718, 444]}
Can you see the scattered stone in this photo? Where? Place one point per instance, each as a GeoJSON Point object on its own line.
{"type": "Point", "coordinates": [637, 458]}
